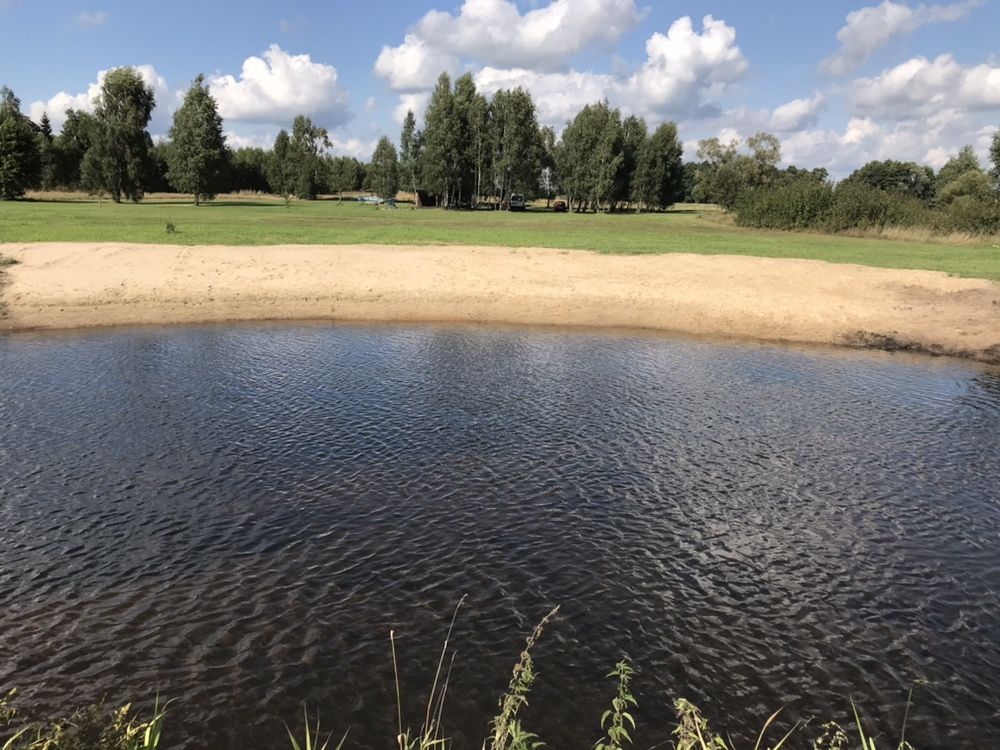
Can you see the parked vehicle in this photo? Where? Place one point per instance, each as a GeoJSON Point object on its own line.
{"type": "Point", "coordinates": [517, 202]}
{"type": "Point", "coordinates": [560, 207]}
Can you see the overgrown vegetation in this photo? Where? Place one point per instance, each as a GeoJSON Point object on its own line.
{"type": "Point", "coordinates": [100, 728]}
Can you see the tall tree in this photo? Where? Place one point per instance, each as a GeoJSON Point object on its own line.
{"type": "Point", "coordinates": [634, 136]}
{"type": "Point", "coordinates": [20, 149]}
{"type": "Point", "coordinates": [437, 156]}
{"type": "Point", "coordinates": [78, 134]}
{"type": "Point", "coordinates": [344, 173]}
{"type": "Point", "coordinates": [409, 153]}
{"type": "Point", "coordinates": [248, 168]}
{"type": "Point", "coordinates": [995, 157]}
{"type": "Point", "coordinates": [905, 178]}
{"type": "Point", "coordinates": [517, 146]}
{"type": "Point", "coordinates": [46, 143]}
{"type": "Point", "coordinates": [659, 175]}
{"type": "Point", "coordinates": [307, 144]}
{"type": "Point", "coordinates": [480, 129]}
{"type": "Point", "coordinates": [282, 174]}
{"type": "Point", "coordinates": [117, 163]}
{"type": "Point", "coordinates": [548, 181]}
{"type": "Point", "coordinates": [383, 172]}
{"type": "Point", "coordinates": [197, 158]}
{"type": "Point", "coordinates": [725, 174]}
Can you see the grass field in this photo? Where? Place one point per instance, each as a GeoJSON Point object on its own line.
{"type": "Point", "coordinates": [236, 220]}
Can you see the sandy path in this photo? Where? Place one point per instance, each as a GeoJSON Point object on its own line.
{"type": "Point", "coordinates": [74, 285]}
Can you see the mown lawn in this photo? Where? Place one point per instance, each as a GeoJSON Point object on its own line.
{"type": "Point", "coordinates": [255, 221]}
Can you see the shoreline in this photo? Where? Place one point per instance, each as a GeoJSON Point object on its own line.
{"type": "Point", "coordinates": [80, 285]}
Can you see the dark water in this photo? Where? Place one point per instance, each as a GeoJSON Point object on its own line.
{"type": "Point", "coordinates": [236, 517]}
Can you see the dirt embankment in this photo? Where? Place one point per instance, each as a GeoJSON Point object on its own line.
{"type": "Point", "coordinates": [76, 285]}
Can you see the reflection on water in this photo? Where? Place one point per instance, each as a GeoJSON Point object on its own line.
{"type": "Point", "coordinates": [237, 516]}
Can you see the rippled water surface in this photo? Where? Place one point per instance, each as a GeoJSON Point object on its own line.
{"type": "Point", "coordinates": [236, 517]}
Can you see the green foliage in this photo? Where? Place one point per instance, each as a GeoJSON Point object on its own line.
{"type": "Point", "coordinates": [117, 163]}
{"type": "Point", "coordinates": [995, 158]}
{"type": "Point", "coordinates": [248, 168]}
{"type": "Point", "coordinates": [409, 152]}
{"type": "Point", "coordinates": [591, 157]}
{"type": "Point", "coordinates": [857, 205]}
{"type": "Point", "coordinates": [197, 156]}
{"type": "Point", "coordinates": [437, 159]}
{"type": "Point", "coordinates": [516, 144]}
{"type": "Point", "coordinates": [282, 173]}
{"type": "Point", "coordinates": [972, 214]}
{"type": "Point", "coordinates": [20, 149]}
{"type": "Point", "coordinates": [79, 133]}
{"type": "Point", "coordinates": [507, 732]}
{"type": "Point", "coordinates": [725, 173]}
{"type": "Point", "coordinates": [963, 163]}
{"type": "Point", "coordinates": [800, 204]}
{"type": "Point", "coordinates": [616, 720]}
{"type": "Point", "coordinates": [384, 170]}
{"type": "Point", "coordinates": [972, 184]}
{"type": "Point", "coordinates": [659, 178]}
{"type": "Point", "coordinates": [905, 178]}
{"type": "Point", "coordinates": [305, 149]}
{"type": "Point", "coordinates": [344, 173]}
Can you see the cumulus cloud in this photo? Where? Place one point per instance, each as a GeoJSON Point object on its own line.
{"type": "Point", "coordinates": [413, 65]}
{"type": "Point", "coordinates": [276, 87]}
{"type": "Point", "coordinates": [415, 103]}
{"type": "Point", "coordinates": [685, 74]}
{"type": "Point", "coordinates": [869, 28]}
{"type": "Point", "coordinates": [56, 106]}
{"type": "Point", "coordinates": [89, 19]}
{"type": "Point", "coordinates": [359, 148]}
{"type": "Point", "coordinates": [920, 86]}
{"type": "Point", "coordinates": [798, 114]}
{"type": "Point", "coordinates": [496, 33]}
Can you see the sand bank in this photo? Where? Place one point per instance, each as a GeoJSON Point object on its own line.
{"type": "Point", "coordinates": [99, 284]}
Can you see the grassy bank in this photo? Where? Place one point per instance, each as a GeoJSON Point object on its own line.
{"type": "Point", "coordinates": [234, 220]}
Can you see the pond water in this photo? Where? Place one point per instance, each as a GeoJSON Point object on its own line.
{"type": "Point", "coordinates": [236, 516]}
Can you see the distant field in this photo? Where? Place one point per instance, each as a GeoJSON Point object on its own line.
{"type": "Point", "coordinates": [237, 220]}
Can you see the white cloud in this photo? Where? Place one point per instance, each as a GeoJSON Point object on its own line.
{"type": "Point", "coordinates": [496, 33]}
{"type": "Point", "coordinates": [90, 19]}
{"type": "Point", "coordinates": [869, 28]}
{"type": "Point", "coordinates": [357, 147]}
{"type": "Point", "coordinates": [920, 87]}
{"type": "Point", "coordinates": [415, 103]}
{"type": "Point", "coordinates": [279, 86]}
{"type": "Point", "coordinates": [413, 65]}
{"type": "Point", "coordinates": [166, 100]}
{"type": "Point", "coordinates": [685, 74]}
{"type": "Point", "coordinates": [798, 114]}
{"type": "Point", "coordinates": [259, 140]}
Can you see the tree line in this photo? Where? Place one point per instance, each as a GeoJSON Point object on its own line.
{"type": "Point", "coordinates": [473, 150]}
{"type": "Point", "coordinates": [963, 196]}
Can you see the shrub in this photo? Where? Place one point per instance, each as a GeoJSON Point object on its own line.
{"type": "Point", "coordinates": [800, 204]}
{"type": "Point", "coordinates": [859, 206]}
{"type": "Point", "coordinates": [975, 215]}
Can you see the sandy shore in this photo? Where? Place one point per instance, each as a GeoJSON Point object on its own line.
{"type": "Point", "coordinates": [75, 285]}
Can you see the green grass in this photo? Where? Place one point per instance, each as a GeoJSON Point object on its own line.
{"type": "Point", "coordinates": [249, 221]}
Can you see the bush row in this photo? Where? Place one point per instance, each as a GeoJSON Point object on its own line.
{"type": "Point", "coordinates": [808, 204]}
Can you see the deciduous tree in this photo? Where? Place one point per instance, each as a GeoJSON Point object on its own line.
{"type": "Point", "coordinates": [383, 172]}
{"type": "Point", "coordinates": [197, 157]}
{"type": "Point", "coordinates": [20, 149]}
{"type": "Point", "coordinates": [117, 162]}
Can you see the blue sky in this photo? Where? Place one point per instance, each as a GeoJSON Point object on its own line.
{"type": "Point", "coordinates": [839, 82]}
